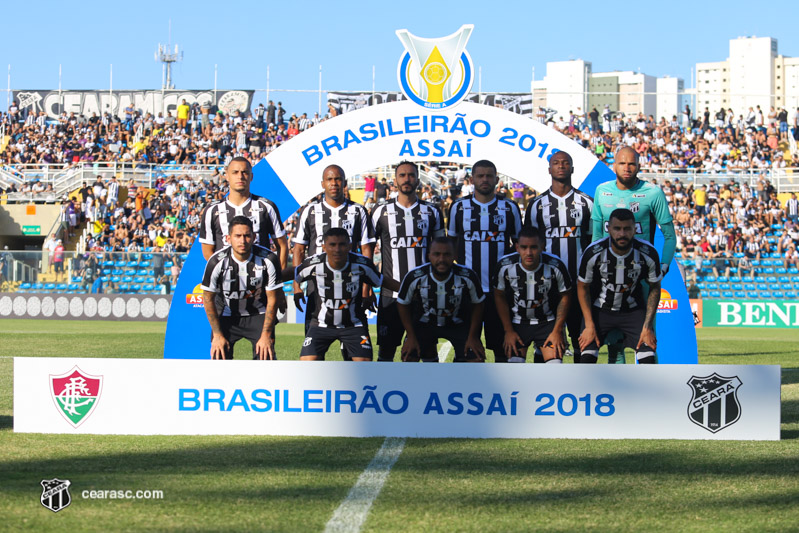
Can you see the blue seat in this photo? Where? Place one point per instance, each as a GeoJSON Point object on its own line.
{"type": "Point", "coordinates": [140, 279]}
{"type": "Point", "coordinates": [726, 294]}
{"type": "Point", "coordinates": [768, 270]}
{"type": "Point", "coordinates": [715, 294]}
{"type": "Point", "coordinates": [49, 286]}
{"type": "Point", "coordinates": [751, 294]}
{"type": "Point", "coordinates": [755, 262]}
{"type": "Point", "coordinates": [790, 294]}
{"type": "Point", "coordinates": [738, 255]}
{"type": "Point", "coordinates": [764, 294]}
{"type": "Point", "coordinates": [771, 279]}
{"type": "Point", "coordinates": [776, 294]}
{"type": "Point", "coordinates": [134, 288]}
{"type": "Point", "coordinates": [762, 286]}
{"type": "Point", "coordinates": [723, 278]}
{"type": "Point", "coordinates": [786, 286]}
{"type": "Point", "coordinates": [710, 278]}
{"type": "Point", "coordinates": [107, 271]}
{"type": "Point", "coordinates": [115, 279]}
{"type": "Point", "coordinates": [133, 263]}
{"type": "Point", "coordinates": [776, 226]}
{"type": "Point", "coordinates": [61, 287]}
{"type": "Point", "coordinates": [750, 286]}
{"type": "Point", "coordinates": [127, 279]}
{"type": "Point", "coordinates": [168, 264]}
{"type": "Point", "coordinates": [120, 263]}
{"type": "Point", "coordinates": [775, 255]}
{"type": "Point", "coordinates": [25, 286]}
{"type": "Point", "coordinates": [748, 278]}
{"type": "Point", "coordinates": [711, 286]}
{"type": "Point", "coordinates": [108, 263]}
{"type": "Point", "coordinates": [795, 279]}
{"type": "Point", "coordinates": [793, 270]}
{"type": "Point", "coordinates": [737, 286]}
{"type": "Point", "coordinates": [148, 287]}
{"type": "Point", "coordinates": [117, 272]}
{"type": "Point", "coordinates": [145, 264]}
{"type": "Point", "coordinates": [781, 270]}
{"type": "Point", "coordinates": [724, 286]}
{"type": "Point", "coordinates": [123, 286]}
{"type": "Point", "coordinates": [740, 294]}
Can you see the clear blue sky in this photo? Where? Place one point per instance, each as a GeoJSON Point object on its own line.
{"type": "Point", "coordinates": [348, 38]}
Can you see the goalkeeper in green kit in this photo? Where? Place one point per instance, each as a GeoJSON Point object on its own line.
{"type": "Point", "coordinates": [648, 204]}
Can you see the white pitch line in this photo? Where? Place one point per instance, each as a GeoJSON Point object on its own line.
{"type": "Point", "coordinates": [352, 513]}
{"type": "Point", "coordinates": [443, 352]}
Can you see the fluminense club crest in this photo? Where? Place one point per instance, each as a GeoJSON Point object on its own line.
{"type": "Point", "coordinates": [714, 403]}
{"type": "Point", "coordinates": [436, 73]}
{"type": "Point", "coordinates": [76, 394]}
{"type": "Point", "coordinates": [55, 494]}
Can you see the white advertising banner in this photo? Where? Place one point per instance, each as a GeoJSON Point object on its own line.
{"type": "Point", "coordinates": [203, 397]}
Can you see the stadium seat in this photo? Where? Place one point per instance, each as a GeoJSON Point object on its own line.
{"type": "Point", "coordinates": [61, 287]}
{"type": "Point", "coordinates": [764, 294]}
{"type": "Point", "coordinates": [776, 255]}
{"type": "Point", "coordinates": [715, 294]}
{"type": "Point", "coordinates": [49, 286]}
{"type": "Point", "coordinates": [748, 278]}
{"type": "Point", "coordinates": [791, 295]}
{"type": "Point", "coordinates": [795, 279]}
{"type": "Point", "coordinates": [710, 278]}
{"type": "Point", "coordinates": [751, 294]}
{"type": "Point", "coordinates": [740, 294]}
{"type": "Point", "coordinates": [771, 279]}
{"type": "Point", "coordinates": [738, 255]}
{"type": "Point", "coordinates": [133, 263]}
{"type": "Point", "coordinates": [768, 270]}
{"type": "Point", "coordinates": [793, 270]}
{"type": "Point", "coordinates": [781, 270]}
{"type": "Point", "coordinates": [786, 286]}
{"type": "Point", "coordinates": [168, 264]}
{"type": "Point", "coordinates": [726, 294]}
{"type": "Point", "coordinates": [123, 287]}
{"type": "Point", "coordinates": [134, 288]}
{"type": "Point", "coordinates": [737, 286]}
{"type": "Point", "coordinates": [25, 286]}
{"type": "Point", "coordinates": [723, 278]}
{"type": "Point", "coordinates": [107, 271]}
{"type": "Point", "coordinates": [148, 287]}
{"type": "Point", "coordinates": [763, 286]}
{"type": "Point", "coordinates": [145, 264]}
{"type": "Point", "coordinates": [711, 286]}
{"type": "Point", "coordinates": [108, 263]}
{"type": "Point", "coordinates": [140, 279]}
{"type": "Point", "coordinates": [127, 279]}
{"type": "Point", "coordinates": [120, 264]}
{"type": "Point", "coordinates": [776, 294]}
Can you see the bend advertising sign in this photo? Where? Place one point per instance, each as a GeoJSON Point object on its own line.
{"type": "Point", "coordinates": [750, 313]}
{"type": "Point", "coordinates": [385, 134]}
{"type": "Point", "coordinates": [726, 402]}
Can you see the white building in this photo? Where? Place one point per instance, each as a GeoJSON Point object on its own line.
{"type": "Point", "coordinates": [670, 98]}
{"type": "Point", "coordinates": [564, 87]}
{"type": "Point", "coordinates": [636, 92]}
{"type": "Point", "coordinates": [753, 75]}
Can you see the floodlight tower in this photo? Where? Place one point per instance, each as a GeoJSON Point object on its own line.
{"type": "Point", "coordinates": [166, 56]}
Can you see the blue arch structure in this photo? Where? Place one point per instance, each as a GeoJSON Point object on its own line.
{"type": "Point", "coordinates": [374, 136]}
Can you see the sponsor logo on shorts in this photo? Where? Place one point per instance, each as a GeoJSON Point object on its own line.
{"type": "Point", "coordinates": [365, 344]}
{"type": "Point", "coordinates": [714, 401]}
{"type": "Point", "coordinates": [307, 341]}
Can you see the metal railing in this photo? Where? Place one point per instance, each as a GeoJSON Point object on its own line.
{"type": "Point", "coordinates": [783, 179]}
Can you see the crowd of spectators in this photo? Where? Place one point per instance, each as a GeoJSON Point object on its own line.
{"type": "Point", "coordinates": [711, 142]}
{"type": "Point", "coordinates": [725, 224]}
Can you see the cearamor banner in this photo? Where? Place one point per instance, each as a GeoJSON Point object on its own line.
{"type": "Point", "coordinates": [344, 102]}
{"type": "Point", "coordinates": [170, 397]}
{"type": "Point", "coordinates": [53, 103]}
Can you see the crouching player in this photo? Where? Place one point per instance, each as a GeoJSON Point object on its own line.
{"type": "Point", "coordinates": [337, 309]}
{"type": "Point", "coordinates": [531, 290]}
{"type": "Point", "coordinates": [441, 300]}
{"type": "Point", "coordinates": [610, 290]}
{"type": "Point", "coordinates": [241, 286]}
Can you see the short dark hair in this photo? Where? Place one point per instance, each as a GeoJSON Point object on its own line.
{"type": "Point", "coordinates": [336, 232]}
{"type": "Point", "coordinates": [240, 159]}
{"type": "Point", "coordinates": [485, 163]}
{"type": "Point", "coordinates": [240, 220]}
{"type": "Point", "coordinates": [529, 231]}
{"type": "Point", "coordinates": [443, 239]}
{"type": "Point", "coordinates": [406, 162]}
{"type": "Point", "coordinates": [622, 214]}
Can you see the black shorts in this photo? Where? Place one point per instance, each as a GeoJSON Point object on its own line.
{"type": "Point", "coordinates": [428, 336]}
{"type": "Point", "coordinates": [389, 325]}
{"type": "Point", "coordinates": [158, 271]}
{"type": "Point", "coordinates": [629, 323]}
{"type": "Point", "coordinates": [493, 331]}
{"type": "Point", "coordinates": [355, 340]}
{"type": "Point", "coordinates": [236, 328]}
{"type": "Point", "coordinates": [58, 266]}
{"type": "Point", "coordinates": [537, 333]}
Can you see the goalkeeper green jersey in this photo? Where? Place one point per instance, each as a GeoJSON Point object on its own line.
{"type": "Point", "coordinates": [648, 204]}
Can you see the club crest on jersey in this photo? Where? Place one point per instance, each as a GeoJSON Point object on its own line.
{"type": "Point", "coordinates": [714, 401]}
{"type": "Point", "coordinates": [423, 224]}
{"type": "Point", "coordinates": [351, 287]}
{"type": "Point", "coordinates": [347, 224]}
{"type": "Point", "coordinates": [575, 213]}
{"type": "Point", "coordinates": [635, 207]}
{"type": "Point", "coordinates": [499, 219]}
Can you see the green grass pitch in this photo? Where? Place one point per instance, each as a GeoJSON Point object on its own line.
{"type": "Point", "coordinates": [295, 484]}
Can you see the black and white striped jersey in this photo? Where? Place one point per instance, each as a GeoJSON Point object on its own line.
{"type": "Point", "coordinates": [318, 216]}
{"type": "Point", "coordinates": [337, 303]}
{"type": "Point", "coordinates": [616, 280]}
{"type": "Point", "coordinates": [441, 303]}
{"type": "Point", "coordinates": [264, 214]}
{"type": "Point", "coordinates": [405, 235]}
{"type": "Point", "coordinates": [565, 224]}
{"type": "Point", "coordinates": [241, 287]}
{"type": "Point", "coordinates": [532, 295]}
{"type": "Point", "coordinates": [484, 233]}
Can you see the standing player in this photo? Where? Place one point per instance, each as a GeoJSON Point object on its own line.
{"type": "Point", "coordinates": [484, 225]}
{"type": "Point", "coordinates": [441, 300]}
{"type": "Point", "coordinates": [532, 290]}
{"type": "Point", "coordinates": [265, 217]}
{"type": "Point", "coordinates": [405, 226]}
{"type": "Point", "coordinates": [649, 206]}
{"type": "Point", "coordinates": [335, 306]}
{"type": "Point", "coordinates": [611, 293]}
{"type": "Point", "coordinates": [246, 277]}
{"type": "Point", "coordinates": [563, 216]}
{"type": "Point", "coordinates": [333, 210]}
